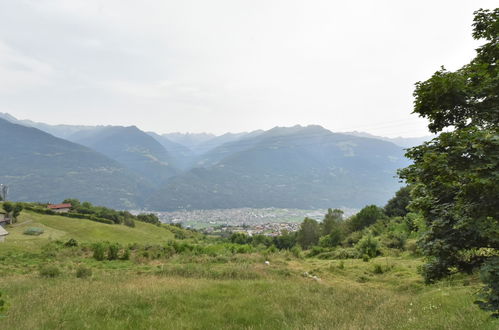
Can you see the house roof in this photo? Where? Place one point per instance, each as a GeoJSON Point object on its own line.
{"type": "Point", "coordinates": [59, 206]}
{"type": "Point", "coordinates": [3, 232]}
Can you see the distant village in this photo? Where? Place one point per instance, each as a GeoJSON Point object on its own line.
{"type": "Point", "coordinates": [266, 229]}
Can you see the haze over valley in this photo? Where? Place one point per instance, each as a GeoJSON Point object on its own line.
{"type": "Point", "coordinates": [304, 167]}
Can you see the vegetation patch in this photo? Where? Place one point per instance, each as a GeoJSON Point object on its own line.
{"type": "Point", "coordinates": [34, 231]}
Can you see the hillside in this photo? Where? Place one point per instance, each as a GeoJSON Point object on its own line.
{"type": "Point", "coordinates": [40, 167]}
{"type": "Point", "coordinates": [132, 148]}
{"type": "Point", "coordinates": [204, 284]}
{"type": "Point", "coordinates": [183, 156]}
{"type": "Point", "coordinates": [303, 167]}
{"type": "Point", "coordinates": [60, 131]}
{"type": "Point", "coordinates": [189, 140]}
{"type": "Point", "coordinates": [63, 228]}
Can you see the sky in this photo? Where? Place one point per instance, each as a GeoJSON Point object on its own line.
{"type": "Point", "coordinates": [228, 65]}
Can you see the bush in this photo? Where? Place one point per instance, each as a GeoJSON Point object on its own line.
{"type": "Point", "coordinates": [34, 231]}
{"type": "Point", "coordinates": [71, 243]}
{"type": "Point", "coordinates": [412, 247]}
{"type": "Point", "coordinates": [99, 251]}
{"type": "Point", "coordinates": [378, 269]}
{"type": "Point", "coordinates": [126, 254]}
{"type": "Point", "coordinates": [395, 240]}
{"type": "Point", "coordinates": [344, 253]}
{"type": "Point", "coordinates": [489, 295]}
{"type": "Point", "coordinates": [129, 222]}
{"type": "Point", "coordinates": [3, 304]}
{"type": "Point", "coordinates": [113, 251]}
{"type": "Point", "coordinates": [83, 272]}
{"type": "Point", "coordinates": [315, 250]}
{"type": "Point", "coordinates": [297, 251]}
{"type": "Point", "coordinates": [368, 245]}
{"type": "Point", "coordinates": [49, 271]}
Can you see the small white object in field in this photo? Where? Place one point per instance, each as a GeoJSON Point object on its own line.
{"type": "Point", "coordinates": [267, 262]}
{"type": "Point", "coordinates": [316, 278]}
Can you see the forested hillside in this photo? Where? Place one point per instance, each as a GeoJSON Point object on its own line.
{"type": "Point", "coordinates": [132, 148]}
{"type": "Point", "coordinates": [40, 167]}
{"type": "Point", "coordinates": [303, 167]}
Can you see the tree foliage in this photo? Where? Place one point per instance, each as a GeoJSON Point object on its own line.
{"type": "Point", "coordinates": [397, 206]}
{"type": "Point", "coordinates": [456, 175]}
{"type": "Point", "coordinates": [309, 233]}
{"type": "Point", "coordinates": [366, 217]}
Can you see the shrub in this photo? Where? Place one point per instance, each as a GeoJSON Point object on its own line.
{"type": "Point", "coordinates": [378, 269]}
{"type": "Point", "coordinates": [49, 271]}
{"type": "Point", "coordinates": [71, 242]}
{"type": "Point", "coordinates": [3, 304]}
{"type": "Point", "coordinates": [83, 272]}
{"type": "Point", "coordinates": [126, 254]}
{"type": "Point", "coordinates": [315, 250]}
{"type": "Point", "coordinates": [365, 257]}
{"type": "Point", "coordinates": [368, 245]}
{"type": "Point", "coordinates": [113, 251]}
{"type": "Point", "coordinates": [395, 240]}
{"type": "Point", "coordinates": [412, 247]}
{"type": "Point", "coordinates": [99, 251]}
{"type": "Point", "coordinates": [296, 251]}
{"type": "Point", "coordinates": [129, 222]}
{"type": "Point", "coordinates": [34, 231]}
{"type": "Point", "coordinates": [344, 253]}
{"type": "Point", "coordinates": [489, 295]}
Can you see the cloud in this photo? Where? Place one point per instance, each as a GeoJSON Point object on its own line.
{"type": "Point", "coordinates": [225, 65]}
{"type": "Point", "coordinates": [20, 72]}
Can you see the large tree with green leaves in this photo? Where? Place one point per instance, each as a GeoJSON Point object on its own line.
{"type": "Point", "coordinates": [456, 175]}
{"type": "Point", "coordinates": [309, 233]}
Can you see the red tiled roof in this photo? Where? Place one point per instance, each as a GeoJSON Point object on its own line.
{"type": "Point", "coordinates": [59, 206]}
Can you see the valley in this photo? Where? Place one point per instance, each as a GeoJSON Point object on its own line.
{"type": "Point", "coordinates": [300, 167]}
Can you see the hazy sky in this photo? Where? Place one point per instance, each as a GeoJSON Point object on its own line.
{"type": "Point", "coordinates": [229, 65]}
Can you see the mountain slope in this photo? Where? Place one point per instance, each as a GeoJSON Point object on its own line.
{"type": "Point", "coordinates": [302, 167]}
{"type": "Point", "coordinates": [132, 148]}
{"type": "Point", "coordinates": [405, 142]}
{"type": "Point", "coordinates": [40, 167]}
{"type": "Point", "coordinates": [189, 140]}
{"type": "Point", "coordinates": [183, 156]}
{"type": "Point", "coordinates": [60, 131]}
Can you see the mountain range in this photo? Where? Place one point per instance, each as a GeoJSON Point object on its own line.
{"type": "Point", "coordinates": [124, 167]}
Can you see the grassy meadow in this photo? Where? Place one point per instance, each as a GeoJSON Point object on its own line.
{"type": "Point", "coordinates": [219, 288]}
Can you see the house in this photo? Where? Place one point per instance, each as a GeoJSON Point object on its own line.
{"type": "Point", "coordinates": [60, 208]}
{"type": "Point", "coordinates": [3, 233]}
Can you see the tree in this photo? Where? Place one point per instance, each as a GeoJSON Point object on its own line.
{"type": "Point", "coordinates": [366, 217]}
{"type": "Point", "coordinates": [285, 241]}
{"type": "Point", "coordinates": [8, 207]}
{"type": "Point", "coordinates": [397, 206]}
{"type": "Point", "coordinates": [456, 175]}
{"type": "Point", "coordinates": [75, 203]}
{"type": "Point", "coordinates": [331, 221]}
{"type": "Point", "coordinates": [17, 210]}
{"type": "Point", "coordinates": [13, 210]}
{"type": "Point", "coordinates": [309, 233]}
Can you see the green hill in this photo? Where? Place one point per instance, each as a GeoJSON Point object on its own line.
{"type": "Point", "coordinates": [63, 228]}
{"type": "Point", "coordinates": [204, 283]}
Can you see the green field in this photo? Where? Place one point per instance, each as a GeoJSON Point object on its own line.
{"type": "Point", "coordinates": [216, 291]}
